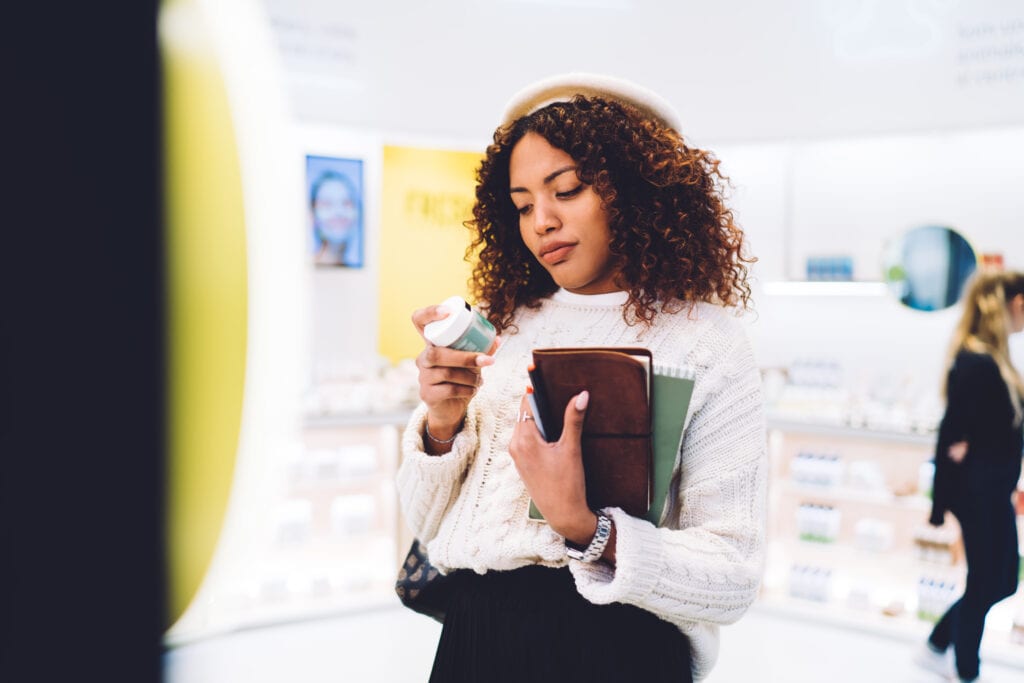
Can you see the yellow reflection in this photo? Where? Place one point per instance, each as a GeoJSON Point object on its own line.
{"type": "Point", "coordinates": [206, 271]}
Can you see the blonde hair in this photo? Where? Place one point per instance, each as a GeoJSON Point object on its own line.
{"type": "Point", "coordinates": [984, 327]}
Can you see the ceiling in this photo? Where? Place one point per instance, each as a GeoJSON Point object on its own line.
{"type": "Point", "coordinates": [736, 70]}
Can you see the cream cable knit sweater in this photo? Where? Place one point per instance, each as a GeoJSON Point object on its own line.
{"type": "Point", "coordinates": [703, 567]}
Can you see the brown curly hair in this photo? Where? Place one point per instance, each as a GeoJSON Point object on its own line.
{"type": "Point", "coordinates": [672, 235]}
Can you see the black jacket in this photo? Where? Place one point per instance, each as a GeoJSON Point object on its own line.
{"type": "Point", "coordinates": [978, 411]}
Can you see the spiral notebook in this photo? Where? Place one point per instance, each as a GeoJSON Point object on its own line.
{"type": "Point", "coordinates": [634, 424]}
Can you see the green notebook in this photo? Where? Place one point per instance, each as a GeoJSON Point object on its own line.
{"type": "Point", "coordinates": [673, 387]}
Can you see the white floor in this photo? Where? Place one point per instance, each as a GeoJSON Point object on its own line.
{"type": "Point", "coordinates": [397, 645]}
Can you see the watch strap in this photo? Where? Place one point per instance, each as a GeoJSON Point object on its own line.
{"type": "Point", "coordinates": [598, 543]}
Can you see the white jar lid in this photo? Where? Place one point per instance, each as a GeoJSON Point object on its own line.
{"type": "Point", "coordinates": [447, 331]}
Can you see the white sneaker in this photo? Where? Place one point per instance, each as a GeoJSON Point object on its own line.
{"type": "Point", "coordinates": [939, 663]}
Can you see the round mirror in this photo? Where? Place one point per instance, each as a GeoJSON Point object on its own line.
{"type": "Point", "coordinates": [927, 268]}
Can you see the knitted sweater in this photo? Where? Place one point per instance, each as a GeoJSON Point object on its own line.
{"type": "Point", "coordinates": [703, 567]}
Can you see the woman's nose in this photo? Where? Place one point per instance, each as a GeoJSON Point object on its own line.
{"type": "Point", "coordinates": [545, 217]}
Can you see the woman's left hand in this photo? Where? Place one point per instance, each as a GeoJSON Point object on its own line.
{"type": "Point", "coordinates": [553, 472]}
{"type": "Point", "coordinates": [958, 451]}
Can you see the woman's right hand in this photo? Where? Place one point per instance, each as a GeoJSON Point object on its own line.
{"type": "Point", "coordinates": [448, 378]}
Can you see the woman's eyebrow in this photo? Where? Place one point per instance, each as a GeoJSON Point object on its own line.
{"type": "Point", "coordinates": [547, 179]}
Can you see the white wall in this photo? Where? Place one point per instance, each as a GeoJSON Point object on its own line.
{"type": "Point", "coordinates": [852, 196]}
{"type": "Point", "coordinates": [343, 308]}
{"type": "Point", "coordinates": [855, 195]}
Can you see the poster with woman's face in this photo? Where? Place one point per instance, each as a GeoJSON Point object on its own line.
{"type": "Point", "coordinates": [335, 194]}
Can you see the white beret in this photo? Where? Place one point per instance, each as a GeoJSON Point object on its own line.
{"type": "Point", "coordinates": [562, 89]}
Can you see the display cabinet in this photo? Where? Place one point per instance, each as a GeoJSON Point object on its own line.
{"type": "Point", "coordinates": [849, 540]}
{"type": "Point", "coordinates": [332, 542]}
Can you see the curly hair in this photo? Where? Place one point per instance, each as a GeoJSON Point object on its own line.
{"type": "Point", "coordinates": [674, 239]}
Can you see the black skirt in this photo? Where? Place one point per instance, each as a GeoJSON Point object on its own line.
{"type": "Point", "coordinates": [531, 626]}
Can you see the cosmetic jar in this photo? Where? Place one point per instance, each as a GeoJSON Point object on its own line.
{"type": "Point", "coordinates": [464, 329]}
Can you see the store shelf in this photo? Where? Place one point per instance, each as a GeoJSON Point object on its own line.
{"type": "Point", "coordinates": [396, 418]}
{"type": "Point", "coordinates": [858, 585]}
{"type": "Point", "coordinates": [287, 613]}
{"type": "Point", "coordinates": [995, 647]}
{"type": "Point", "coordinates": [893, 577]}
{"type": "Point", "coordinates": [332, 539]}
{"type": "Point", "coordinates": [813, 288]}
{"type": "Point", "coordinates": [890, 569]}
{"type": "Point", "coordinates": [843, 494]}
{"type": "Point", "coordinates": [781, 423]}
{"type": "Point", "coordinates": [835, 614]}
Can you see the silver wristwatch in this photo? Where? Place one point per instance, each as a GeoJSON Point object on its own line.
{"type": "Point", "coordinates": [592, 552]}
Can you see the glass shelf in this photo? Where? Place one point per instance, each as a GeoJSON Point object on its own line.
{"type": "Point", "coordinates": [825, 288]}
{"type": "Point", "coordinates": [829, 429]}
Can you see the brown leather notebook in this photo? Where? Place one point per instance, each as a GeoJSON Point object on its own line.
{"type": "Point", "coordinates": [617, 427]}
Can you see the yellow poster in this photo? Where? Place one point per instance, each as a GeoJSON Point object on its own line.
{"type": "Point", "coordinates": [427, 195]}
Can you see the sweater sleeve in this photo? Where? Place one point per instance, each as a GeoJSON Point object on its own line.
{"type": "Point", "coordinates": [708, 570]}
{"type": "Point", "coordinates": [427, 484]}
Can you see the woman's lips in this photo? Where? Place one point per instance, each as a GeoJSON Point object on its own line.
{"type": "Point", "coordinates": [557, 254]}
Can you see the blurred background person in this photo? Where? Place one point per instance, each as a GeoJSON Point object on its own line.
{"type": "Point", "coordinates": [978, 464]}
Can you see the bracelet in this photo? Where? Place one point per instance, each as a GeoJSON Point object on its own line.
{"type": "Point", "coordinates": [592, 552]}
{"type": "Point", "coordinates": [426, 429]}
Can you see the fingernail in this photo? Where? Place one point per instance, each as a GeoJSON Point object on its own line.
{"type": "Point", "coordinates": [443, 310]}
{"type": "Point", "coordinates": [582, 400]}
{"type": "Point", "coordinates": [484, 360]}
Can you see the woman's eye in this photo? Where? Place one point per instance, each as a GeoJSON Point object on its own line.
{"type": "Point", "coordinates": [523, 210]}
{"type": "Point", "coordinates": [571, 193]}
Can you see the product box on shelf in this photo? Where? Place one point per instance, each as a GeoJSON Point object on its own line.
{"type": "Point", "coordinates": [873, 535]}
{"type": "Point", "coordinates": [818, 523]}
{"type": "Point", "coordinates": [810, 583]}
{"type": "Point", "coordinates": [938, 545]}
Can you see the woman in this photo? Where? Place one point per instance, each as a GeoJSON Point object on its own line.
{"type": "Point", "coordinates": [334, 204]}
{"type": "Point", "coordinates": [978, 463]}
{"type": "Point", "coordinates": [596, 225]}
